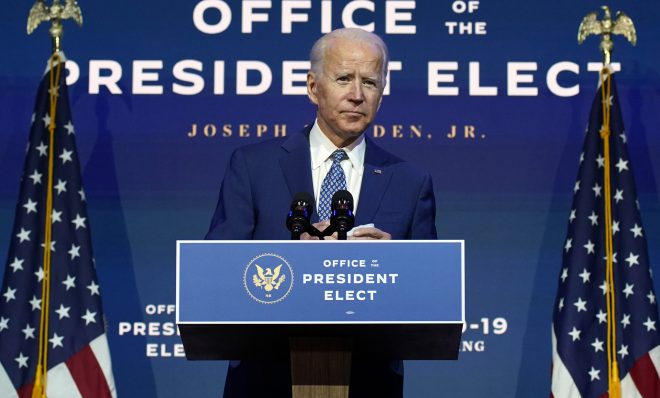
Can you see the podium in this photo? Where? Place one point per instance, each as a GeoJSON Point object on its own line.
{"type": "Point", "coordinates": [320, 302]}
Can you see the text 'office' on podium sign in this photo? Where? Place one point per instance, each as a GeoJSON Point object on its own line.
{"type": "Point", "coordinates": [280, 289]}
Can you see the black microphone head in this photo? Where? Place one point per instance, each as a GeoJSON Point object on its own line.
{"type": "Point", "coordinates": [341, 214]}
{"type": "Point", "coordinates": [302, 206]}
{"type": "Point", "coordinates": [303, 199]}
{"type": "Point", "coordinates": [342, 198]}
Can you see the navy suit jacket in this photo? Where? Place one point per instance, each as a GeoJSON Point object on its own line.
{"type": "Point", "coordinates": [255, 197]}
{"type": "Point", "coordinates": [396, 196]}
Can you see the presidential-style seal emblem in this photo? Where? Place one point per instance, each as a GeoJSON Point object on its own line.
{"type": "Point", "coordinates": [268, 278]}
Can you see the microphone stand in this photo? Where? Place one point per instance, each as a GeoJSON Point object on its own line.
{"type": "Point", "coordinates": [299, 228]}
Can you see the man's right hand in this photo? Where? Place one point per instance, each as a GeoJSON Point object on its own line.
{"type": "Point", "coordinates": [321, 226]}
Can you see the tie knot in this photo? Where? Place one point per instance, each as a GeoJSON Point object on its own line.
{"type": "Point", "coordinates": [339, 155]}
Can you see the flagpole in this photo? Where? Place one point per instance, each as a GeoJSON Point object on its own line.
{"type": "Point", "coordinates": [55, 13]}
{"type": "Point", "coordinates": [623, 25]}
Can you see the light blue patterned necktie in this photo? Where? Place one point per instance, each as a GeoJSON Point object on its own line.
{"type": "Point", "coordinates": [334, 181]}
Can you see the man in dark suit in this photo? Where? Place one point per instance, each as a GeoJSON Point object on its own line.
{"type": "Point", "coordinates": [394, 198]}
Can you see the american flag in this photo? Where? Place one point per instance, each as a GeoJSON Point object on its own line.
{"type": "Point", "coordinates": [78, 355]}
{"type": "Point", "coordinates": [580, 362]}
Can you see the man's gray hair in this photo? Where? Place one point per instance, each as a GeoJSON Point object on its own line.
{"type": "Point", "coordinates": [318, 52]}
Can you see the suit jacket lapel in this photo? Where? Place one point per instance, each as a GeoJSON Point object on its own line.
{"type": "Point", "coordinates": [296, 165]}
{"type": "Point", "coordinates": [375, 179]}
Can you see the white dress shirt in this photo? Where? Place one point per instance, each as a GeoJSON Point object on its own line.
{"type": "Point", "coordinates": [321, 149]}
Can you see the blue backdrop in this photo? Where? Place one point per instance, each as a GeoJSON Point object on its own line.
{"type": "Point", "coordinates": [150, 74]}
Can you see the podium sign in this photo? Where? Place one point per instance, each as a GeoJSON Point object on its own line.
{"type": "Point", "coordinates": [285, 288]}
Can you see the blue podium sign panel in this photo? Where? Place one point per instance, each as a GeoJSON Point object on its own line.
{"type": "Point", "coordinates": [320, 282]}
{"type": "Point", "coordinates": [248, 299]}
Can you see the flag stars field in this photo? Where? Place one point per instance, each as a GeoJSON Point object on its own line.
{"type": "Point", "coordinates": [63, 311]}
{"type": "Point", "coordinates": [35, 303]}
{"type": "Point", "coordinates": [39, 274]}
{"type": "Point", "coordinates": [17, 264]}
{"type": "Point", "coordinates": [66, 156]}
{"type": "Point", "coordinates": [618, 196]}
{"type": "Point", "coordinates": [622, 165]}
{"type": "Point", "coordinates": [35, 177]}
{"type": "Point", "coordinates": [590, 247]}
{"type": "Point", "coordinates": [30, 206]}
{"type": "Point", "coordinates": [633, 259]}
{"type": "Point", "coordinates": [4, 323]}
{"type": "Point", "coordinates": [79, 221]}
{"type": "Point", "coordinates": [650, 324]}
{"type": "Point", "coordinates": [69, 128]}
{"type": "Point", "coordinates": [628, 290]}
{"type": "Point", "coordinates": [637, 231]}
{"type": "Point", "coordinates": [598, 345]}
{"type": "Point", "coordinates": [56, 341]}
{"type": "Point", "coordinates": [28, 331]}
{"type": "Point", "coordinates": [74, 251]}
{"type": "Point", "coordinates": [93, 288]}
{"type": "Point", "coordinates": [24, 235]}
{"type": "Point", "coordinates": [89, 317]}
{"type": "Point", "coordinates": [613, 258]}
{"type": "Point", "coordinates": [56, 216]}
{"type": "Point", "coordinates": [580, 304]}
{"type": "Point", "coordinates": [52, 245]}
{"type": "Point", "coordinates": [60, 187]}
{"type": "Point", "coordinates": [10, 294]}
{"type": "Point", "coordinates": [70, 282]}
{"type": "Point", "coordinates": [585, 275]}
{"type": "Point", "coordinates": [43, 149]}
{"type": "Point", "coordinates": [625, 321]}
{"type": "Point", "coordinates": [22, 360]}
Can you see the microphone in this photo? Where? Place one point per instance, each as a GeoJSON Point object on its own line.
{"type": "Point", "coordinates": [297, 221]}
{"type": "Point", "coordinates": [341, 213]}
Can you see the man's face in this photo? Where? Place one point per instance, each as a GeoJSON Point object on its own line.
{"type": "Point", "coordinates": [348, 90]}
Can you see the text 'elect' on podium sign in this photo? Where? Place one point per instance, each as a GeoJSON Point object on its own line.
{"type": "Point", "coordinates": [298, 287]}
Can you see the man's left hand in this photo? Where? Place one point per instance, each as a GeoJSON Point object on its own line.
{"type": "Point", "coordinates": [370, 233]}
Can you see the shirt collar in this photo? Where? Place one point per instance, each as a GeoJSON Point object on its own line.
{"type": "Point", "coordinates": [321, 148]}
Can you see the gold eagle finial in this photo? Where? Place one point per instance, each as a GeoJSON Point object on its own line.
{"type": "Point", "coordinates": [55, 13]}
{"type": "Point", "coordinates": [622, 25]}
